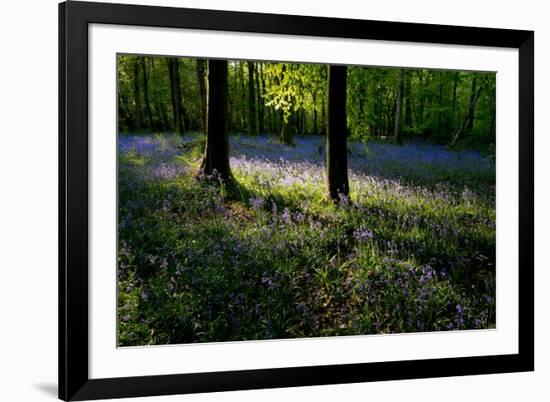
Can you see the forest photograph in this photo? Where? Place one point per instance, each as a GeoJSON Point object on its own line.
{"type": "Point", "coordinates": [272, 200]}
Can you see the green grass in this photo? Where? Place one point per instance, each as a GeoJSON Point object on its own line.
{"type": "Point", "coordinates": [274, 259]}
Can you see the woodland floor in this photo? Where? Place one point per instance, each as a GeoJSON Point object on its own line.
{"type": "Point", "coordinates": [413, 249]}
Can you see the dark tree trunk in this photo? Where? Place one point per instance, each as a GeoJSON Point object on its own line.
{"type": "Point", "coordinates": [439, 110]}
{"type": "Point", "coordinates": [323, 115]}
{"type": "Point", "coordinates": [302, 122]}
{"type": "Point", "coordinates": [260, 101]}
{"type": "Point", "coordinates": [472, 105]}
{"type": "Point", "coordinates": [137, 100]}
{"type": "Point", "coordinates": [175, 91]}
{"type": "Point", "coordinates": [235, 115]}
{"type": "Point", "coordinates": [337, 155]}
{"type": "Point", "coordinates": [286, 136]}
{"type": "Point", "coordinates": [269, 116]}
{"type": "Point", "coordinates": [216, 158]}
{"type": "Point", "coordinates": [398, 106]}
{"type": "Point", "coordinates": [243, 96]}
{"type": "Point", "coordinates": [252, 130]}
{"type": "Point", "coordinates": [123, 113]}
{"type": "Point", "coordinates": [492, 126]}
{"type": "Point", "coordinates": [408, 95]}
{"type": "Point", "coordinates": [172, 91]}
{"type": "Point", "coordinates": [455, 85]}
{"type": "Point", "coordinates": [315, 129]}
{"type": "Point", "coordinates": [163, 118]}
{"type": "Point", "coordinates": [146, 95]}
{"type": "Point", "coordinates": [201, 77]}
{"type": "Point", "coordinates": [474, 97]}
{"type": "Point", "coordinates": [179, 95]}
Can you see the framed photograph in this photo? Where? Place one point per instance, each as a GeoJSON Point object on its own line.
{"type": "Point", "coordinates": [257, 200]}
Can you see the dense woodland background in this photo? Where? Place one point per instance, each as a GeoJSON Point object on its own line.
{"type": "Point", "coordinates": [456, 108]}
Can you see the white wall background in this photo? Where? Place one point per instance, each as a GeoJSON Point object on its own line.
{"type": "Point", "coordinates": [28, 198]}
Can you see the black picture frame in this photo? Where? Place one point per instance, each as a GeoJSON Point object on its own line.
{"type": "Point", "coordinates": [74, 381]}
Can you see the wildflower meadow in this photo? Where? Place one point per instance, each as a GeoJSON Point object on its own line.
{"type": "Point", "coordinates": [411, 248]}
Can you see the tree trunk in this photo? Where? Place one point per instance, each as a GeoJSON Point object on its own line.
{"type": "Point", "coordinates": [163, 118]}
{"type": "Point", "coordinates": [216, 158]}
{"type": "Point", "coordinates": [201, 77]}
{"type": "Point", "coordinates": [471, 108]}
{"type": "Point", "coordinates": [175, 91]}
{"type": "Point", "coordinates": [439, 111]}
{"type": "Point", "coordinates": [286, 136]}
{"type": "Point", "coordinates": [302, 123]}
{"type": "Point", "coordinates": [243, 96]}
{"type": "Point", "coordinates": [259, 99]}
{"type": "Point", "coordinates": [466, 121]}
{"type": "Point", "coordinates": [146, 95]}
{"type": "Point", "coordinates": [314, 95]}
{"type": "Point", "coordinates": [337, 155]}
{"type": "Point", "coordinates": [137, 100]}
{"type": "Point", "coordinates": [269, 116]}
{"type": "Point", "coordinates": [408, 95]}
{"type": "Point", "coordinates": [323, 115]}
{"type": "Point", "coordinates": [398, 106]}
{"type": "Point", "coordinates": [252, 129]}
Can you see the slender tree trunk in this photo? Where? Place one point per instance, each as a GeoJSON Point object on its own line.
{"type": "Point", "coordinates": [123, 113]}
{"type": "Point", "coordinates": [243, 96]}
{"type": "Point", "coordinates": [216, 158]}
{"type": "Point", "coordinates": [471, 108]}
{"type": "Point", "coordinates": [259, 98]}
{"type": "Point", "coordinates": [337, 155]}
{"type": "Point", "coordinates": [146, 95]}
{"type": "Point", "coordinates": [163, 118]}
{"type": "Point", "coordinates": [286, 136]}
{"type": "Point", "coordinates": [408, 95]}
{"type": "Point", "coordinates": [269, 112]}
{"type": "Point", "coordinates": [398, 106]}
{"type": "Point", "coordinates": [252, 129]}
{"type": "Point", "coordinates": [179, 96]}
{"type": "Point", "coordinates": [323, 115]}
{"type": "Point", "coordinates": [314, 95]}
{"type": "Point", "coordinates": [201, 77]}
{"type": "Point", "coordinates": [235, 114]}
{"type": "Point", "coordinates": [439, 111]}
{"type": "Point", "coordinates": [175, 91]}
{"type": "Point", "coordinates": [137, 100]}
{"type": "Point", "coordinates": [493, 117]}
{"type": "Point", "coordinates": [466, 120]}
{"type": "Point", "coordinates": [455, 84]}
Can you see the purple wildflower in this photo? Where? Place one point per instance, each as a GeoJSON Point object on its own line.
{"type": "Point", "coordinates": [362, 235]}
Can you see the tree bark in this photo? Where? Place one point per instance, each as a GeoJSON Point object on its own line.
{"type": "Point", "coordinates": [242, 97]}
{"type": "Point", "coordinates": [146, 94]}
{"type": "Point", "coordinates": [314, 96]}
{"type": "Point", "coordinates": [408, 95]}
{"type": "Point", "coordinates": [398, 106]}
{"type": "Point", "coordinates": [252, 129]}
{"type": "Point", "coordinates": [259, 98]}
{"type": "Point", "coordinates": [201, 77]}
{"type": "Point", "coordinates": [439, 111]}
{"type": "Point", "coordinates": [175, 91]}
{"type": "Point", "coordinates": [466, 121]}
{"type": "Point", "coordinates": [471, 108]}
{"type": "Point", "coordinates": [216, 158]}
{"type": "Point", "coordinates": [337, 155]}
{"type": "Point", "coordinates": [137, 100]}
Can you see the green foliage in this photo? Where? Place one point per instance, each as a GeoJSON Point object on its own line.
{"type": "Point", "coordinates": [291, 98]}
{"type": "Point", "coordinates": [276, 260]}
